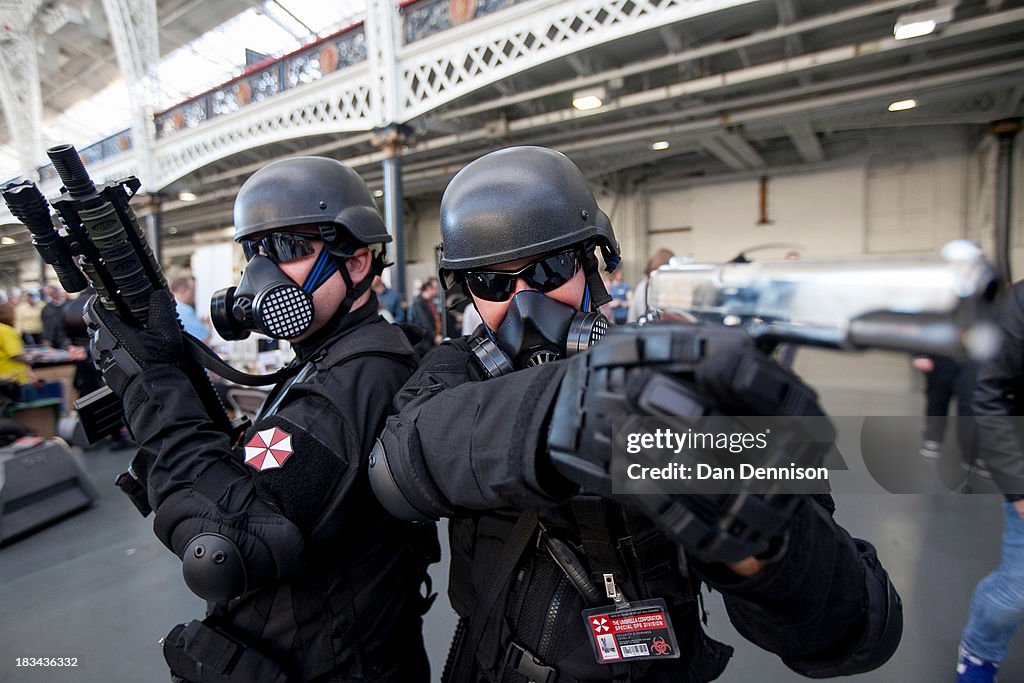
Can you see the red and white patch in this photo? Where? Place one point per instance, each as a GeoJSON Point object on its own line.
{"type": "Point", "coordinates": [268, 449]}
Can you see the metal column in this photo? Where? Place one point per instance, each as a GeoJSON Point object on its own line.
{"type": "Point", "coordinates": [391, 140]}
{"type": "Point", "coordinates": [154, 220]}
{"type": "Point", "coordinates": [1006, 133]}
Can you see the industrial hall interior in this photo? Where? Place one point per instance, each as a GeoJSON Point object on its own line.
{"type": "Point", "coordinates": [835, 185]}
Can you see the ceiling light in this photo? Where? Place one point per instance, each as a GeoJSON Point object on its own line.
{"type": "Point", "coordinates": [902, 105]}
{"type": "Point", "coordinates": [913, 30]}
{"type": "Point", "coordinates": [172, 230]}
{"type": "Point", "coordinates": [8, 240]}
{"type": "Point", "coordinates": [589, 98]}
{"type": "Point", "coordinates": [187, 196]}
{"type": "Point", "coordinates": [378, 193]}
{"type": "Point", "coordinates": [660, 145]}
{"type": "Point", "coordinates": [917, 24]}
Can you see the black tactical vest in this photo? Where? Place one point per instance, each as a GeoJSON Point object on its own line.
{"type": "Point", "coordinates": [541, 608]}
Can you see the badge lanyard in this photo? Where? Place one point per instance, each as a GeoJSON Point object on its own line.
{"type": "Point", "coordinates": [630, 631]}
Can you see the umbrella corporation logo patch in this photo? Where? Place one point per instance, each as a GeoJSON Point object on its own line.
{"type": "Point", "coordinates": [268, 449]}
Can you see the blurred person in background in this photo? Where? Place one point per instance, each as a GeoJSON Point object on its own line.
{"type": "Point", "coordinates": [946, 381]}
{"type": "Point", "coordinates": [52, 316]}
{"type": "Point", "coordinates": [638, 306]}
{"type": "Point", "coordinates": [622, 295]}
{"type": "Point", "coordinates": [388, 300]}
{"type": "Point", "coordinates": [184, 291]}
{"type": "Point", "coordinates": [27, 318]}
{"type": "Point", "coordinates": [55, 332]}
{"type": "Point", "coordinates": [425, 312]}
{"type": "Point", "coordinates": [13, 367]}
{"type": "Point", "coordinates": [997, 607]}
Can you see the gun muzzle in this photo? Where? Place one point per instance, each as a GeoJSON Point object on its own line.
{"type": "Point", "coordinates": [72, 171]}
{"type": "Point", "coordinates": [29, 206]}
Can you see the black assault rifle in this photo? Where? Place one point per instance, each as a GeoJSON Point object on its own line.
{"type": "Point", "coordinates": [95, 240]}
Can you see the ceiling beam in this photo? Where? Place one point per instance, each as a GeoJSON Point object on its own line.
{"type": "Point", "coordinates": [806, 142]}
{"type": "Point", "coordinates": [794, 44]}
{"type": "Point", "coordinates": [672, 40]}
{"type": "Point", "coordinates": [739, 146]}
{"type": "Point", "coordinates": [717, 149]}
{"type": "Point", "coordinates": [722, 47]}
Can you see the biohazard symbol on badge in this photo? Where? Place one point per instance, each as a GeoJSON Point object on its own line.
{"type": "Point", "coordinates": [268, 449]}
{"type": "Point", "coordinates": [600, 625]}
{"type": "Point", "coordinates": [660, 647]}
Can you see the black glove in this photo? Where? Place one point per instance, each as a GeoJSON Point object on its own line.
{"type": "Point", "coordinates": [688, 371]}
{"type": "Point", "coordinates": [121, 351]}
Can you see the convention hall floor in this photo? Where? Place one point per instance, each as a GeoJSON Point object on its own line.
{"type": "Point", "coordinates": [98, 586]}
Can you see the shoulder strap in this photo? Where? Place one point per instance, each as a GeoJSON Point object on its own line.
{"type": "Point", "coordinates": [591, 515]}
{"type": "Point", "coordinates": [512, 550]}
{"type": "Point", "coordinates": [375, 339]}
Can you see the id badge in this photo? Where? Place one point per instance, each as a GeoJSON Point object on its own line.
{"type": "Point", "coordinates": [642, 630]}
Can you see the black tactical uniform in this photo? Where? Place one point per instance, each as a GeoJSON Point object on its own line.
{"type": "Point", "coordinates": [473, 444]}
{"type": "Point", "coordinates": [999, 401]}
{"type": "Point", "coordinates": [308, 578]}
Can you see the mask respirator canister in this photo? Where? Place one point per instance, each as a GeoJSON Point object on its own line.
{"type": "Point", "coordinates": [268, 301]}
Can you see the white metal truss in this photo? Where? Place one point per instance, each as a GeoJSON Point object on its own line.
{"type": "Point", "coordinates": [394, 85]}
{"type": "Point", "coordinates": [446, 66]}
{"type": "Point", "coordinates": [20, 92]}
{"type": "Point", "coordinates": [382, 39]}
{"type": "Point", "coordinates": [135, 33]}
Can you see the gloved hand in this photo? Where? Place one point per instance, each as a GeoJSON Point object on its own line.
{"type": "Point", "coordinates": [693, 372]}
{"type": "Point", "coordinates": [121, 350]}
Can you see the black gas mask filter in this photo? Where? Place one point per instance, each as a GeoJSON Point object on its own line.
{"type": "Point", "coordinates": [537, 330]}
{"type": "Point", "coordinates": [268, 301]}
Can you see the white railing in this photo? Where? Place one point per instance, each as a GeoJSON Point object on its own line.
{"type": "Point", "coordinates": [427, 74]}
{"type": "Point", "coordinates": [338, 103]}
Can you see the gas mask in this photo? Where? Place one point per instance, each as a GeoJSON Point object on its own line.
{"type": "Point", "coordinates": [537, 330]}
{"type": "Point", "coordinates": [268, 301]}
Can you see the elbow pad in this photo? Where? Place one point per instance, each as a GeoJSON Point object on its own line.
{"type": "Point", "coordinates": [882, 626]}
{"type": "Point", "coordinates": [213, 568]}
{"type": "Point", "coordinates": [400, 479]}
{"type": "Point", "coordinates": [227, 553]}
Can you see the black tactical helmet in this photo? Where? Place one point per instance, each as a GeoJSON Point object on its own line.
{"type": "Point", "coordinates": [519, 202]}
{"type": "Point", "coordinates": [309, 190]}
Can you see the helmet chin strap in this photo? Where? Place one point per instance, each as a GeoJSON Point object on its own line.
{"type": "Point", "coordinates": [596, 293]}
{"type": "Point", "coordinates": [355, 290]}
{"type": "Point", "coordinates": [323, 268]}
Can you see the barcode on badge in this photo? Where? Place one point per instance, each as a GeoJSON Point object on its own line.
{"type": "Point", "coordinates": [639, 650]}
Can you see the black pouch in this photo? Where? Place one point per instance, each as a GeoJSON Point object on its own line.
{"type": "Point", "coordinates": [200, 653]}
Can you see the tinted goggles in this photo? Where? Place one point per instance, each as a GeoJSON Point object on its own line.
{"type": "Point", "coordinates": [281, 247]}
{"type": "Point", "coordinates": [545, 274]}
